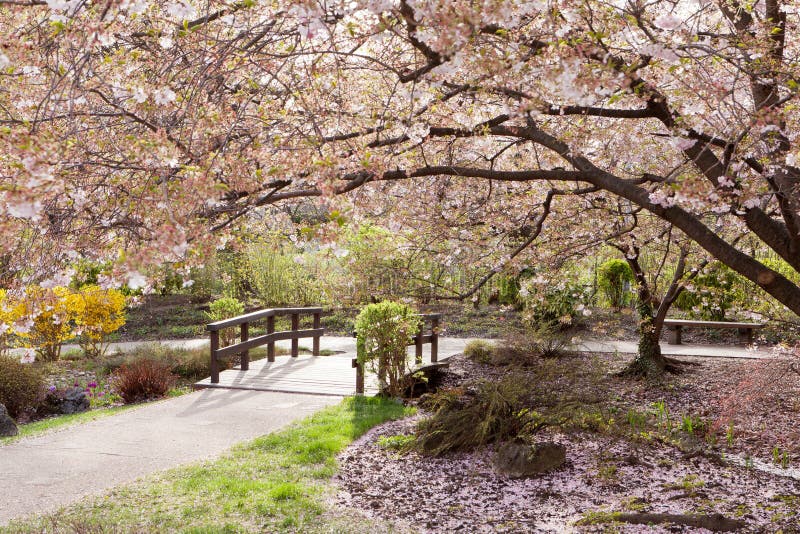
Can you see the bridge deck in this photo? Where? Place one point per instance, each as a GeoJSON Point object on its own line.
{"type": "Point", "coordinates": [321, 375]}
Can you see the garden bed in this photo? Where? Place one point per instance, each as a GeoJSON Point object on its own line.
{"type": "Point", "coordinates": [622, 455]}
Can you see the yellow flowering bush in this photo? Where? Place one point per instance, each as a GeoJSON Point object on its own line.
{"type": "Point", "coordinates": [52, 320]}
{"type": "Point", "coordinates": [10, 312]}
{"type": "Point", "coordinates": [97, 313]}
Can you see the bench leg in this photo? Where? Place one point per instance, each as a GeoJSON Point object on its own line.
{"type": "Point", "coordinates": [674, 337]}
{"type": "Point", "coordinates": [746, 336]}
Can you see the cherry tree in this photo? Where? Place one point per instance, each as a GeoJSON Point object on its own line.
{"type": "Point", "coordinates": [142, 131]}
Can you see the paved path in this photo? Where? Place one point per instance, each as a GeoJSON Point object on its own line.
{"type": "Point", "coordinates": [707, 351]}
{"type": "Point", "coordinates": [43, 473]}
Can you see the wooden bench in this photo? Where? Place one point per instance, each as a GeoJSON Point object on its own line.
{"type": "Point", "coordinates": [676, 325]}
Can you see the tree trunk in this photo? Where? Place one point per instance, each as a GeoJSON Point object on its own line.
{"type": "Point", "coordinates": [649, 360]}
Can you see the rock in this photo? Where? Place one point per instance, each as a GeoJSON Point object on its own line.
{"type": "Point", "coordinates": [516, 459]}
{"type": "Point", "coordinates": [7, 425]}
{"type": "Point", "coordinates": [75, 401]}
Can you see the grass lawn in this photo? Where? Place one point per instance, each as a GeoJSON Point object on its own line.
{"type": "Point", "coordinates": [279, 482]}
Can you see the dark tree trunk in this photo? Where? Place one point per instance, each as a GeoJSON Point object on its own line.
{"type": "Point", "coordinates": [649, 360]}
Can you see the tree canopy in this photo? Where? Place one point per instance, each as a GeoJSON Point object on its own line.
{"type": "Point", "coordinates": [142, 131]}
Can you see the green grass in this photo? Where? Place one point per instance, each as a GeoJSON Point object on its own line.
{"type": "Point", "coordinates": [276, 483]}
{"type": "Point", "coordinates": [62, 421]}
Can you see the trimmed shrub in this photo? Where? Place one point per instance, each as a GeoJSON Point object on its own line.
{"type": "Point", "coordinates": [21, 386]}
{"type": "Point", "coordinates": [385, 330]}
{"type": "Point", "coordinates": [613, 278]}
{"type": "Point", "coordinates": [222, 309]}
{"type": "Point", "coordinates": [143, 379]}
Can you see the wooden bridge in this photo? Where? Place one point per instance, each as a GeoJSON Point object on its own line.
{"type": "Point", "coordinates": [330, 369]}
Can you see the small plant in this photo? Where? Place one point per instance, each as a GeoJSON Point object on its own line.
{"type": "Point", "coordinates": [479, 351]}
{"type": "Point", "coordinates": [222, 309]}
{"type": "Point", "coordinates": [21, 386]}
{"type": "Point", "coordinates": [729, 434]}
{"type": "Point", "coordinates": [637, 420]}
{"type": "Point", "coordinates": [385, 330]}
{"type": "Point", "coordinates": [558, 302]}
{"type": "Point", "coordinates": [662, 415]}
{"type": "Point", "coordinates": [614, 278]}
{"type": "Point", "coordinates": [97, 313]}
{"type": "Point", "coordinates": [142, 380]}
{"type": "Point", "coordinates": [397, 442]}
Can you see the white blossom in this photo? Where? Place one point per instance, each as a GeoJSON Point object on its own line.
{"type": "Point", "coordinates": [164, 96]}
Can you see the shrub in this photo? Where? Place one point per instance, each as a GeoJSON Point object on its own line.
{"type": "Point", "coordinates": [98, 313]}
{"type": "Point", "coordinates": [190, 364]}
{"type": "Point", "coordinates": [494, 411]}
{"type": "Point", "coordinates": [614, 278]}
{"type": "Point", "coordinates": [712, 294]}
{"type": "Point", "coordinates": [479, 350]}
{"type": "Point", "coordinates": [554, 302]}
{"type": "Point", "coordinates": [143, 379]}
{"type": "Point", "coordinates": [21, 386]}
{"type": "Point", "coordinates": [52, 315]}
{"type": "Point", "coordinates": [385, 330]}
{"type": "Point", "coordinates": [222, 309]}
{"type": "Point", "coordinates": [546, 340]}
{"type": "Point", "coordinates": [279, 277]}
{"type": "Point", "coordinates": [10, 312]}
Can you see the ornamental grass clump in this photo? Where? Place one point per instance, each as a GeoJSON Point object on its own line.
{"type": "Point", "coordinates": [493, 411]}
{"type": "Point", "coordinates": [21, 386]}
{"type": "Point", "coordinates": [143, 380]}
{"type": "Point", "coordinates": [384, 331]}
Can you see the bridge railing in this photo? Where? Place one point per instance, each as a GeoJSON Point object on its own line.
{"type": "Point", "coordinates": [422, 338]}
{"type": "Point", "coordinates": [246, 342]}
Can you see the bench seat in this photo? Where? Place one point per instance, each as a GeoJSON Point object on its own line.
{"type": "Point", "coordinates": [745, 330]}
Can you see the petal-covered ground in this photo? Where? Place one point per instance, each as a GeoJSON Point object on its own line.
{"type": "Point", "coordinates": [748, 473]}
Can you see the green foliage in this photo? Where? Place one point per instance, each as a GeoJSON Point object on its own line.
{"type": "Point", "coordinates": [508, 291]}
{"type": "Point", "coordinates": [143, 380]}
{"type": "Point", "coordinates": [613, 278]}
{"type": "Point", "coordinates": [385, 330]}
{"type": "Point", "coordinates": [399, 442]}
{"type": "Point", "coordinates": [712, 294]}
{"type": "Point", "coordinates": [281, 277]}
{"type": "Point", "coordinates": [494, 411]}
{"type": "Point", "coordinates": [559, 302]}
{"type": "Point", "coordinates": [21, 386]}
{"type": "Point", "coordinates": [225, 308]}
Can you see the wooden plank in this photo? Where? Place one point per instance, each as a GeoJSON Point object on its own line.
{"type": "Point", "coordinates": [252, 343]}
{"type": "Point", "coordinates": [260, 314]}
{"type": "Point", "coordinates": [711, 324]}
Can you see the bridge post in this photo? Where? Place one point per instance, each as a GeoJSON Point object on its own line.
{"type": "Point", "coordinates": [435, 339]}
{"type": "Point", "coordinates": [295, 327]}
{"type": "Point", "coordinates": [315, 350]}
{"type": "Point", "coordinates": [245, 355]}
{"type": "Point", "coordinates": [271, 343]}
{"type": "Point", "coordinates": [214, 363]}
{"type": "Point", "coordinates": [359, 376]}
